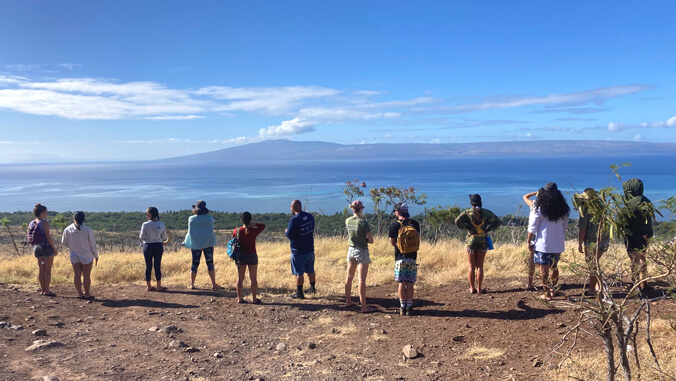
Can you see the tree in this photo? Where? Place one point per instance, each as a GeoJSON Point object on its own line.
{"type": "Point", "coordinates": [386, 197]}
{"type": "Point", "coordinates": [5, 223]}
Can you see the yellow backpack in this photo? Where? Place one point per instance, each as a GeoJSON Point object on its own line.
{"type": "Point", "coordinates": [408, 240]}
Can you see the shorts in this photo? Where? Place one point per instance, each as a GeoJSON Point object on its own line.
{"type": "Point", "coordinates": [302, 264]}
{"type": "Point", "coordinates": [547, 259]}
{"type": "Point", "coordinates": [589, 252]}
{"type": "Point", "coordinates": [636, 243]}
{"type": "Point", "coordinates": [405, 270]}
{"type": "Point", "coordinates": [79, 258]}
{"type": "Point", "coordinates": [247, 259]}
{"type": "Point", "coordinates": [358, 255]}
{"type": "Point", "coordinates": [43, 251]}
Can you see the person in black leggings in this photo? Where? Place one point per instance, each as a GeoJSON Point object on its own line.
{"type": "Point", "coordinates": [153, 233]}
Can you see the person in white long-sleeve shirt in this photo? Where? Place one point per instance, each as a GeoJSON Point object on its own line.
{"type": "Point", "coordinates": [153, 233]}
{"type": "Point", "coordinates": [80, 240]}
{"type": "Point", "coordinates": [547, 225]}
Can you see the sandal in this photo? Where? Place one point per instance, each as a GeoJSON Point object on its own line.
{"type": "Point", "coordinates": [151, 288]}
{"type": "Point", "coordinates": [50, 294]}
{"type": "Point", "coordinates": [241, 301]}
{"type": "Point", "coordinates": [368, 311]}
{"type": "Point", "coordinates": [256, 301]}
{"type": "Point", "coordinates": [161, 289]}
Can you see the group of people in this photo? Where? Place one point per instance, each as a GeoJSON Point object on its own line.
{"type": "Point", "coordinates": [547, 225]}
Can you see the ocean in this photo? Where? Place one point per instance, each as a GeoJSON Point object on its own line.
{"type": "Point", "coordinates": [270, 186]}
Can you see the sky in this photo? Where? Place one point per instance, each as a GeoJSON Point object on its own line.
{"type": "Point", "coordinates": [84, 81]}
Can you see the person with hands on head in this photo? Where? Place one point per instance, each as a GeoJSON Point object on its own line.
{"type": "Point", "coordinates": [44, 248]}
{"type": "Point", "coordinates": [201, 238]}
{"type": "Point", "coordinates": [248, 257]}
{"type": "Point", "coordinates": [359, 237]}
{"type": "Point", "coordinates": [547, 224]}
{"type": "Point", "coordinates": [80, 240]}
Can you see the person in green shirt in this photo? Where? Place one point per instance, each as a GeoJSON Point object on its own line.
{"type": "Point", "coordinates": [478, 222]}
{"type": "Point", "coordinates": [359, 236]}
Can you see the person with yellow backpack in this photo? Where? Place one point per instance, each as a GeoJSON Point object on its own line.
{"type": "Point", "coordinates": [478, 222]}
{"type": "Point", "coordinates": [405, 237]}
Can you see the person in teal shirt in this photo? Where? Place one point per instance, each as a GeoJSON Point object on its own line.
{"type": "Point", "coordinates": [201, 239]}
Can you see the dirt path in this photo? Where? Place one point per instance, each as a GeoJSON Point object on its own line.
{"type": "Point", "coordinates": [112, 338]}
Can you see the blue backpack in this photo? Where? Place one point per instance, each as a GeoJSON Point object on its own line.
{"type": "Point", "coordinates": [233, 247]}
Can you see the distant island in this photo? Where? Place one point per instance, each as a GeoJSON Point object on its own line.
{"type": "Point", "coordinates": [314, 150]}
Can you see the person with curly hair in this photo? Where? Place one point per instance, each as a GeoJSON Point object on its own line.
{"type": "Point", "coordinates": [478, 222]}
{"type": "Point", "coordinates": [547, 225]}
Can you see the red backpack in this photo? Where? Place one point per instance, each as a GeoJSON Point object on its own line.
{"type": "Point", "coordinates": [36, 234]}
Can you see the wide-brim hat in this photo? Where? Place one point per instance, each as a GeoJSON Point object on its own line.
{"type": "Point", "coordinates": [200, 206]}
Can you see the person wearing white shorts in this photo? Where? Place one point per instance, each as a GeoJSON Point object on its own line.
{"type": "Point", "coordinates": [359, 236]}
{"type": "Point", "coordinates": [80, 240]}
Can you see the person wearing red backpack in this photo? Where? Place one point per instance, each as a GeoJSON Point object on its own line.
{"type": "Point", "coordinates": [405, 237]}
{"type": "Point", "coordinates": [43, 247]}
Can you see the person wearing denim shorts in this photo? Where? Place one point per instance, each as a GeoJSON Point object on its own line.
{"type": "Point", "coordinates": [300, 233]}
{"type": "Point", "coordinates": [359, 236]}
{"type": "Point", "coordinates": [44, 251]}
{"type": "Point", "coordinates": [201, 239]}
{"type": "Point", "coordinates": [547, 225]}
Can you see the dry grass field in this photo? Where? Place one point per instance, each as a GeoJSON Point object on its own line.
{"type": "Point", "coordinates": [440, 264]}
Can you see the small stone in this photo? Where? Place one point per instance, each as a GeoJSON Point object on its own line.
{"type": "Point", "coordinates": [312, 345]}
{"type": "Point", "coordinates": [458, 338]}
{"type": "Point", "coordinates": [281, 347]}
{"type": "Point", "coordinates": [218, 355]}
{"type": "Point", "coordinates": [315, 362]}
{"type": "Point", "coordinates": [330, 357]}
{"type": "Point", "coordinates": [44, 344]}
{"type": "Point", "coordinates": [177, 344]}
{"type": "Point", "coordinates": [334, 330]}
{"type": "Point", "coordinates": [40, 332]}
{"type": "Point", "coordinates": [561, 325]}
{"type": "Point", "coordinates": [383, 332]}
{"type": "Point", "coordinates": [410, 352]}
{"type": "Point", "coordinates": [553, 367]}
{"type": "Point", "coordinates": [169, 328]}
{"type": "Point", "coordinates": [191, 350]}
{"type": "Point", "coordinates": [537, 363]}
{"type": "Point", "coordinates": [50, 378]}
{"type": "Point", "coordinates": [153, 329]}
{"type": "Point", "coordinates": [57, 324]}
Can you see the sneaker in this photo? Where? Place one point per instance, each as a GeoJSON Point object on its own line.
{"type": "Point", "coordinates": [311, 291]}
{"type": "Point", "coordinates": [402, 311]}
{"type": "Point", "coordinates": [409, 311]}
{"type": "Point", "coordinates": [297, 295]}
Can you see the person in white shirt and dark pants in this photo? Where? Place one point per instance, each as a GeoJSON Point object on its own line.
{"type": "Point", "coordinates": [153, 233]}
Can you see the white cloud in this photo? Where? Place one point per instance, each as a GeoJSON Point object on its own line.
{"type": "Point", "coordinates": [175, 117]}
{"type": "Point", "coordinates": [435, 141]}
{"type": "Point", "coordinates": [343, 113]}
{"type": "Point", "coordinates": [596, 96]}
{"type": "Point", "coordinates": [273, 100]}
{"type": "Point", "coordinates": [288, 128]}
{"type": "Point", "coordinates": [671, 122]}
{"type": "Point", "coordinates": [614, 127]}
{"type": "Point", "coordinates": [638, 138]}
{"type": "Point", "coordinates": [69, 66]}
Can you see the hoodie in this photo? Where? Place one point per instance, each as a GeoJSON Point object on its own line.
{"type": "Point", "coordinates": [639, 223]}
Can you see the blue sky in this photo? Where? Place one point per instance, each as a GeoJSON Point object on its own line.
{"type": "Point", "coordinates": [130, 80]}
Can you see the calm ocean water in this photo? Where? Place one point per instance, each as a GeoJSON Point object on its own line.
{"type": "Point", "coordinates": [270, 186]}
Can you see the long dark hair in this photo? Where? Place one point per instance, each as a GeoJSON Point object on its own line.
{"type": "Point", "coordinates": [476, 205]}
{"type": "Point", "coordinates": [154, 213]}
{"type": "Point", "coordinates": [551, 204]}
{"type": "Point", "coordinates": [39, 208]}
{"type": "Point", "coordinates": [245, 218]}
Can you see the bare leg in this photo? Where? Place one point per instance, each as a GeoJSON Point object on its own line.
{"type": "Point", "coordinates": [402, 290]}
{"type": "Point", "coordinates": [471, 258]}
{"type": "Point", "coordinates": [87, 278]}
{"type": "Point", "coordinates": [351, 268]}
{"type": "Point", "coordinates": [77, 278]}
{"type": "Point", "coordinates": [41, 274]}
{"type": "Point", "coordinates": [544, 273]}
{"type": "Point", "coordinates": [409, 290]}
{"type": "Point", "coordinates": [241, 273]}
{"type": "Point", "coordinates": [253, 275]}
{"type": "Point", "coordinates": [363, 273]}
{"type": "Point", "coordinates": [300, 279]}
{"type": "Point", "coordinates": [311, 278]}
{"type": "Point", "coordinates": [192, 280]}
{"type": "Point", "coordinates": [531, 268]}
{"type": "Point", "coordinates": [47, 275]}
{"type": "Point", "coordinates": [480, 256]}
{"type": "Point", "coordinates": [212, 275]}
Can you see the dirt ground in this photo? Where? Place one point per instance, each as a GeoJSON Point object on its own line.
{"type": "Point", "coordinates": [115, 337]}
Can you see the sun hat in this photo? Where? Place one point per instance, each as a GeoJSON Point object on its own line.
{"type": "Point", "coordinates": [356, 205]}
{"type": "Point", "coordinates": [201, 206]}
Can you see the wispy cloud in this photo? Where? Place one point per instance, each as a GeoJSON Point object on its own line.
{"type": "Point", "coordinates": [572, 110]}
{"type": "Point", "coordinates": [273, 100]}
{"type": "Point", "coordinates": [288, 128]}
{"type": "Point", "coordinates": [616, 127]}
{"type": "Point", "coordinates": [174, 117]}
{"type": "Point", "coordinates": [576, 119]}
{"type": "Point", "coordinates": [69, 66]}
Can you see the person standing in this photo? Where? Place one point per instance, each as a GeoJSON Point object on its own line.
{"type": "Point", "coordinates": [201, 238]}
{"type": "Point", "coordinates": [80, 240]}
{"type": "Point", "coordinates": [588, 242]}
{"type": "Point", "coordinates": [248, 257]}
{"type": "Point", "coordinates": [43, 247]}
{"type": "Point", "coordinates": [547, 225]}
{"type": "Point", "coordinates": [359, 237]}
{"type": "Point", "coordinates": [478, 222]}
{"type": "Point", "coordinates": [300, 233]}
{"type": "Point", "coordinates": [405, 237]}
{"type": "Point", "coordinates": [638, 229]}
{"type": "Point", "coordinates": [153, 233]}
{"type": "Point", "coordinates": [531, 247]}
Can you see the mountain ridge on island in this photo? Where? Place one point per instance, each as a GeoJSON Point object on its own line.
{"type": "Point", "coordinates": [317, 150]}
